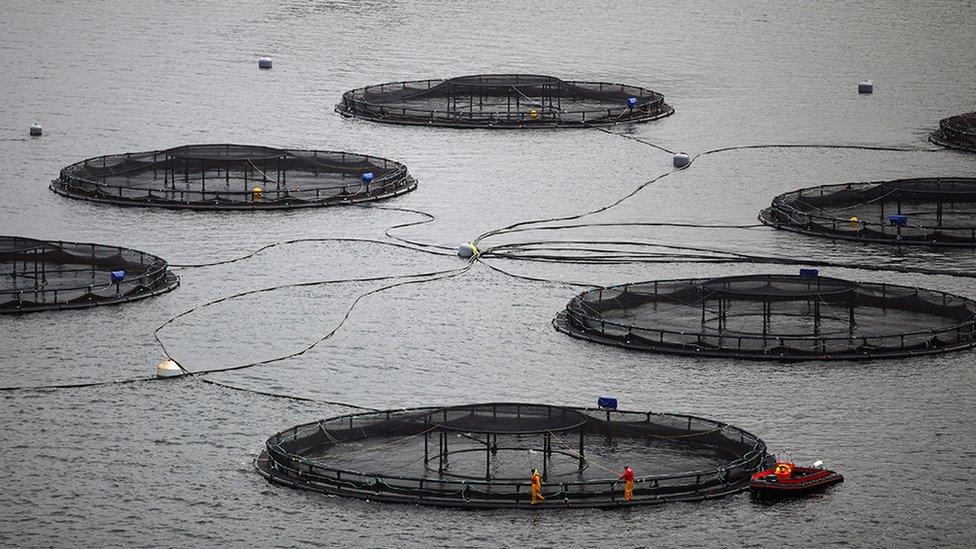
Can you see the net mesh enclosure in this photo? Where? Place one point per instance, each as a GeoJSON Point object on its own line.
{"type": "Point", "coordinates": [482, 456]}
{"type": "Point", "coordinates": [956, 132]}
{"type": "Point", "coordinates": [938, 212]}
{"type": "Point", "coordinates": [40, 275]}
{"type": "Point", "coordinates": [234, 177]}
{"type": "Point", "coordinates": [504, 101]}
{"type": "Point", "coordinates": [773, 317]}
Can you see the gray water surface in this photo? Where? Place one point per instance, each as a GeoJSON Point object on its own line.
{"type": "Point", "coordinates": [170, 463]}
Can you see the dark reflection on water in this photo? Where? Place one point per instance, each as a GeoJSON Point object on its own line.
{"type": "Point", "coordinates": [170, 463]}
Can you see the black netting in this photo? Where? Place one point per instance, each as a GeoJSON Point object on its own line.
{"type": "Point", "coordinates": [958, 132]}
{"type": "Point", "coordinates": [506, 418]}
{"type": "Point", "coordinates": [226, 176]}
{"type": "Point", "coordinates": [504, 100]}
{"type": "Point", "coordinates": [780, 317]}
{"type": "Point", "coordinates": [930, 211]}
{"type": "Point", "coordinates": [40, 275]}
{"type": "Point", "coordinates": [428, 456]}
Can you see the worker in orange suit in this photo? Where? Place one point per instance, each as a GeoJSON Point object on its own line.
{"type": "Point", "coordinates": [536, 487]}
{"type": "Point", "coordinates": [628, 477]}
{"type": "Point", "coordinates": [783, 470]}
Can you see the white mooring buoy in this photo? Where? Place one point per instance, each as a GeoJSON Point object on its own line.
{"type": "Point", "coordinates": [36, 130]}
{"type": "Point", "coordinates": [681, 160]}
{"type": "Point", "coordinates": [168, 368]}
{"type": "Point", "coordinates": [467, 250]}
{"type": "Point", "coordinates": [264, 63]}
{"type": "Point", "coordinates": [865, 87]}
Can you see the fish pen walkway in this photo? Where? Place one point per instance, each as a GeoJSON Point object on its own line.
{"type": "Point", "coordinates": [480, 456]}
{"type": "Point", "coordinates": [234, 177]}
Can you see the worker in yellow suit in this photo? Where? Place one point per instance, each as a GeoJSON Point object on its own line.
{"type": "Point", "coordinates": [628, 477]}
{"type": "Point", "coordinates": [536, 487]}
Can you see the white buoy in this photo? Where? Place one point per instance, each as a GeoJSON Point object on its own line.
{"type": "Point", "coordinates": [467, 250]}
{"type": "Point", "coordinates": [264, 63]}
{"type": "Point", "coordinates": [168, 368]}
{"type": "Point", "coordinates": [36, 130]}
{"type": "Point", "coordinates": [681, 160]}
{"type": "Point", "coordinates": [865, 87]}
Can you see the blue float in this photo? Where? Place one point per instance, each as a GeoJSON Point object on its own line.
{"type": "Point", "coordinates": [632, 102]}
{"type": "Point", "coordinates": [606, 403]}
{"type": "Point", "coordinates": [899, 220]}
{"type": "Point", "coordinates": [810, 273]}
{"type": "Point", "coordinates": [368, 177]}
{"type": "Point", "coordinates": [118, 276]}
{"type": "Point", "coordinates": [681, 160]}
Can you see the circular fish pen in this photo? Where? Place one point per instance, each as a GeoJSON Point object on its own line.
{"type": "Point", "coordinates": [504, 101]}
{"type": "Point", "coordinates": [481, 456]}
{"type": "Point", "coordinates": [234, 177]}
{"type": "Point", "coordinates": [928, 211]}
{"type": "Point", "coordinates": [773, 317]}
{"type": "Point", "coordinates": [956, 132]}
{"type": "Point", "coordinates": [44, 275]}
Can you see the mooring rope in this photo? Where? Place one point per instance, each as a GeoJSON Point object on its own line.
{"type": "Point", "coordinates": [411, 279]}
{"type": "Point", "coordinates": [498, 252]}
{"type": "Point", "coordinates": [419, 278]}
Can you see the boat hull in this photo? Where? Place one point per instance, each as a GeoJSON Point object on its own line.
{"type": "Point", "coordinates": [809, 480]}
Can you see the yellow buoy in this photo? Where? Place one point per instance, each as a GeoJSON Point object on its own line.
{"type": "Point", "coordinates": [854, 221]}
{"type": "Point", "coordinates": [533, 114]}
{"type": "Point", "coordinates": [257, 193]}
